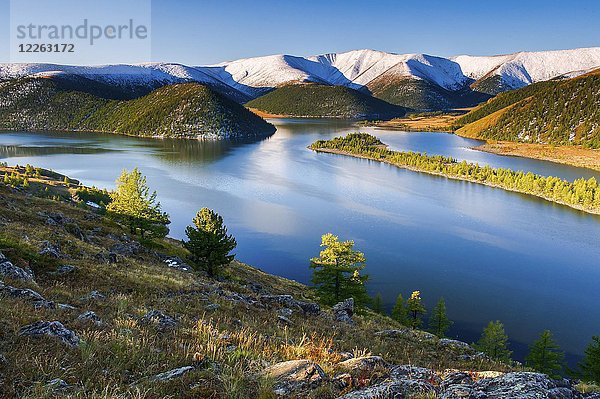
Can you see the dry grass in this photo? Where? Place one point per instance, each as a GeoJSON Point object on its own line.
{"type": "Point", "coordinates": [230, 346]}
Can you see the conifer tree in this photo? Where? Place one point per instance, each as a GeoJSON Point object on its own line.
{"type": "Point", "coordinates": [378, 304]}
{"type": "Point", "coordinates": [132, 203]}
{"type": "Point", "coordinates": [439, 322]}
{"type": "Point", "coordinates": [209, 243]}
{"type": "Point", "coordinates": [336, 272]}
{"type": "Point", "coordinates": [493, 342]}
{"type": "Point", "coordinates": [399, 311]}
{"type": "Point", "coordinates": [416, 309]}
{"type": "Point", "coordinates": [545, 355]}
{"type": "Point", "coordinates": [590, 365]}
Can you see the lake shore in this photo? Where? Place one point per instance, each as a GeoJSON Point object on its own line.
{"type": "Point", "coordinates": [566, 155]}
{"type": "Point", "coordinates": [454, 177]}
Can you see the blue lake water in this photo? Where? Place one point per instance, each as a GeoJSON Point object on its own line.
{"type": "Point", "coordinates": [490, 253]}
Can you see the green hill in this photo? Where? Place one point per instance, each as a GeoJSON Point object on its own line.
{"type": "Point", "coordinates": [188, 110]}
{"type": "Point", "coordinates": [555, 112]}
{"type": "Point", "coordinates": [422, 95]}
{"type": "Point", "coordinates": [312, 100]}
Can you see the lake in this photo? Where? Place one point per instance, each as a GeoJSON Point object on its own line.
{"type": "Point", "coordinates": [492, 254]}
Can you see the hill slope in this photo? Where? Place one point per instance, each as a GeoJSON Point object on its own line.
{"type": "Point", "coordinates": [417, 81]}
{"type": "Point", "coordinates": [555, 112]}
{"type": "Point", "coordinates": [187, 110]}
{"type": "Point", "coordinates": [313, 100]}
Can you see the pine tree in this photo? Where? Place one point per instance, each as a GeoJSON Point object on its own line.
{"type": "Point", "coordinates": [132, 203]}
{"type": "Point", "coordinates": [493, 342]}
{"type": "Point", "coordinates": [590, 365]}
{"type": "Point", "coordinates": [439, 322]}
{"type": "Point", "coordinates": [336, 273]}
{"type": "Point", "coordinates": [545, 355]}
{"type": "Point", "coordinates": [399, 312]}
{"type": "Point", "coordinates": [416, 309]}
{"type": "Point", "coordinates": [209, 243]}
{"type": "Point", "coordinates": [377, 305]}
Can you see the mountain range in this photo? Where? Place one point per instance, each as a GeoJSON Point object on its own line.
{"type": "Point", "coordinates": [415, 81]}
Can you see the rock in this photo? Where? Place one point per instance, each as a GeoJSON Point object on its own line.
{"type": "Point", "coordinates": [54, 218]}
{"type": "Point", "coordinates": [295, 375]}
{"type": "Point", "coordinates": [414, 373]}
{"type": "Point", "coordinates": [346, 355]}
{"type": "Point", "coordinates": [176, 262]}
{"type": "Point", "coordinates": [212, 307]}
{"type": "Point", "coordinates": [65, 306]}
{"type": "Point", "coordinates": [285, 312]}
{"type": "Point", "coordinates": [65, 269]}
{"type": "Point", "coordinates": [343, 311]}
{"type": "Point", "coordinates": [161, 320]}
{"type": "Point", "coordinates": [51, 329]}
{"type": "Point", "coordinates": [282, 300]}
{"type": "Point", "coordinates": [408, 333]}
{"type": "Point", "coordinates": [8, 270]}
{"type": "Point", "coordinates": [309, 307]}
{"type": "Point", "coordinates": [361, 366]}
{"type": "Point", "coordinates": [171, 374]}
{"type": "Point", "coordinates": [107, 257]}
{"type": "Point", "coordinates": [342, 381]}
{"type": "Point", "coordinates": [26, 294]}
{"type": "Point", "coordinates": [518, 385]}
{"type": "Point", "coordinates": [74, 229]}
{"type": "Point", "coordinates": [456, 378]}
{"type": "Point", "coordinates": [130, 248]}
{"type": "Point", "coordinates": [93, 296]}
{"type": "Point", "coordinates": [392, 389]}
{"type": "Point", "coordinates": [89, 316]}
{"type": "Point", "coordinates": [47, 249]}
{"type": "Point", "coordinates": [456, 345]}
{"type": "Point", "coordinates": [284, 320]}
{"type": "Point", "coordinates": [58, 385]}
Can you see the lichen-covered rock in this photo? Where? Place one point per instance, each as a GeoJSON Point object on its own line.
{"type": "Point", "coordinates": [343, 311]}
{"type": "Point", "coordinates": [392, 389]}
{"type": "Point", "coordinates": [26, 294]}
{"type": "Point", "coordinates": [295, 375]}
{"type": "Point", "coordinates": [8, 270]}
{"type": "Point", "coordinates": [47, 249]}
{"type": "Point", "coordinates": [65, 269]}
{"type": "Point", "coordinates": [161, 320]}
{"type": "Point", "coordinates": [408, 333]}
{"type": "Point", "coordinates": [176, 262]}
{"type": "Point", "coordinates": [51, 329]}
{"type": "Point", "coordinates": [364, 365]}
{"type": "Point", "coordinates": [456, 345]}
{"type": "Point", "coordinates": [91, 317]}
{"type": "Point", "coordinates": [518, 385]}
{"type": "Point", "coordinates": [93, 296]}
{"type": "Point", "coordinates": [172, 374]}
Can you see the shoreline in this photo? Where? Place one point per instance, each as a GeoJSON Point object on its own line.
{"type": "Point", "coordinates": [413, 169]}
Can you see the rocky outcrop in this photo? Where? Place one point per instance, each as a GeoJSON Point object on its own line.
{"type": "Point", "coordinates": [50, 250]}
{"type": "Point", "coordinates": [175, 262]}
{"type": "Point", "coordinates": [26, 294]}
{"type": "Point", "coordinates": [65, 269]}
{"type": "Point", "coordinates": [93, 296]}
{"type": "Point", "coordinates": [520, 385]}
{"type": "Point", "coordinates": [8, 270]}
{"type": "Point", "coordinates": [343, 311]}
{"type": "Point", "coordinates": [51, 329]}
{"type": "Point", "coordinates": [362, 366]}
{"type": "Point", "coordinates": [289, 302]}
{"type": "Point", "coordinates": [408, 333]}
{"type": "Point", "coordinates": [295, 376]}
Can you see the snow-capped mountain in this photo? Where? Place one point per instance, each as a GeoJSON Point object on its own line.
{"type": "Point", "coordinates": [393, 77]}
{"type": "Point", "coordinates": [521, 69]}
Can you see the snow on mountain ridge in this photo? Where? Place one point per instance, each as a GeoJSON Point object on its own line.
{"type": "Point", "coordinates": [355, 69]}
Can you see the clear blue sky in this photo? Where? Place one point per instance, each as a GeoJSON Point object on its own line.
{"type": "Point", "coordinates": [207, 31]}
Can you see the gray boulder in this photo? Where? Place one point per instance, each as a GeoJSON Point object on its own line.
{"type": "Point", "coordinates": [172, 374]}
{"type": "Point", "coordinates": [409, 333]}
{"type": "Point", "coordinates": [294, 376]}
{"type": "Point", "coordinates": [364, 365]}
{"type": "Point", "coordinates": [47, 249]}
{"type": "Point", "coordinates": [65, 269]}
{"type": "Point", "coordinates": [26, 294]}
{"type": "Point", "coordinates": [392, 389]}
{"type": "Point", "coordinates": [8, 270]}
{"type": "Point", "coordinates": [343, 311]}
{"type": "Point", "coordinates": [89, 316]}
{"type": "Point", "coordinates": [518, 385]}
{"type": "Point", "coordinates": [161, 320]}
{"type": "Point", "coordinates": [93, 296]}
{"type": "Point", "coordinates": [51, 329]}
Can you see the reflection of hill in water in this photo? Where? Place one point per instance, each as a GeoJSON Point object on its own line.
{"type": "Point", "coordinates": [13, 151]}
{"type": "Point", "coordinates": [195, 151]}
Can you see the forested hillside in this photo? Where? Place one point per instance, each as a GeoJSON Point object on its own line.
{"type": "Point", "coordinates": [187, 110]}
